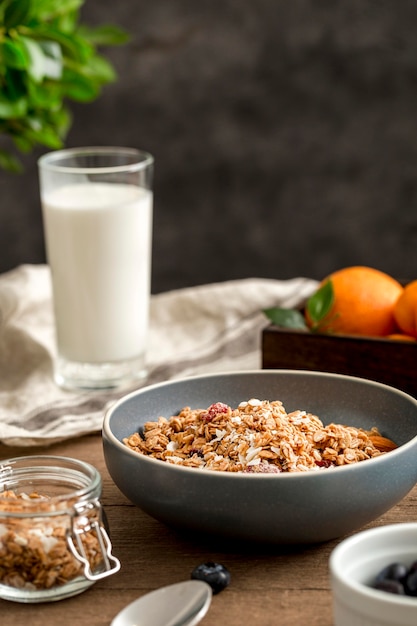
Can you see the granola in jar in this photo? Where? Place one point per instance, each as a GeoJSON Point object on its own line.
{"type": "Point", "coordinates": [52, 541]}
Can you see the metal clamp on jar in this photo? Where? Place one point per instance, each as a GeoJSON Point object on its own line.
{"type": "Point", "coordinates": [53, 543]}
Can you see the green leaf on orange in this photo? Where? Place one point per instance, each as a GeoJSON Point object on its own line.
{"type": "Point", "coordinates": [320, 304]}
{"type": "Point", "coordinates": [286, 318]}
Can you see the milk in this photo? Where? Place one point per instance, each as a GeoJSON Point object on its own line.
{"type": "Point", "coordinates": [98, 242]}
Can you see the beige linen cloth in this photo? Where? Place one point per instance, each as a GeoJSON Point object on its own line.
{"type": "Point", "coordinates": [198, 330]}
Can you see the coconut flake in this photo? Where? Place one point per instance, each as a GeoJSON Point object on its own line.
{"type": "Point", "coordinates": [48, 543]}
{"type": "Point", "coordinates": [252, 453]}
{"type": "Point", "coordinates": [21, 541]}
{"type": "Point", "coordinates": [242, 458]}
{"type": "Point", "coordinates": [298, 417]}
{"type": "Point", "coordinates": [174, 459]}
{"type": "Point", "coordinates": [219, 435]}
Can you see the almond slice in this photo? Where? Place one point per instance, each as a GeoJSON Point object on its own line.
{"type": "Point", "coordinates": [382, 443]}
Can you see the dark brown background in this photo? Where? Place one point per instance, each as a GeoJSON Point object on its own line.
{"type": "Point", "coordinates": [284, 133]}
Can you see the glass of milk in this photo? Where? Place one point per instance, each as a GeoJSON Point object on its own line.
{"type": "Point", "coordinates": [97, 215]}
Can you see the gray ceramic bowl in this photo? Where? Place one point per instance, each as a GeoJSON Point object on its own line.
{"type": "Point", "coordinates": [275, 508]}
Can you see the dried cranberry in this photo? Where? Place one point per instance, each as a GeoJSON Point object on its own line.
{"type": "Point", "coordinates": [324, 463]}
{"type": "Point", "coordinates": [215, 409]}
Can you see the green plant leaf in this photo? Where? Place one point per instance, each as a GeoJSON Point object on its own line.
{"type": "Point", "coordinates": [53, 61]}
{"type": "Point", "coordinates": [45, 59]}
{"type": "Point", "coordinates": [287, 318]}
{"type": "Point", "coordinates": [14, 54]}
{"type": "Point", "coordinates": [72, 45]}
{"type": "Point", "coordinates": [99, 69]}
{"type": "Point", "coordinates": [22, 143]}
{"type": "Point", "coordinates": [61, 119]}
{"type": "Point", "coordinates": [67, 22]}
{"type": "Point", "coordinates": [51, 49]}
{"type": "Point", "coordinates": [105, 35]}
{"type": "Point", "coordinates": [38, 132]}
{"type": "Point", "coordinates": [17, 12]}
{"type": "Point", "coordinates": [10, 110]}
{"type": "Point", "coordinates": [10, 163]}
{"type": "Point", "coordinates": [49, 9]}
{"type": "Point", "coordinates": [45, 95]}
{"type": "Point", "coordinates": [320, 303]}
{"type": "Point", "coordinates": [36, 66]}
{"type": "Point", "coordinates": [78, 87]}
{"type": "Point", "coordinates": [15, 84]}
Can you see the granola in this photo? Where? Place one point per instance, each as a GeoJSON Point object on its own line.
{"type": "Point", "coordinates": [34, 553]}
{"type": "Point", "coordinates": [258, 436]}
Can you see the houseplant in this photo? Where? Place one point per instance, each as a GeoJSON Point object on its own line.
{"type": "Point", "coordinates": [47, 58]}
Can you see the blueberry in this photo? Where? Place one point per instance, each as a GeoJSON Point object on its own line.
{"type": "Point", "coordinates": [215, 574]}
{"type": "Point", "coordinates": [410, 583]}
{"type": "Point", "coordinates": [392, 586]}
{"type": "Point", "coordinates": [394, 571]}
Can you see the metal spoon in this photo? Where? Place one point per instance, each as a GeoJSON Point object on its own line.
{"type": "Point", "coordinates": [181, 604]}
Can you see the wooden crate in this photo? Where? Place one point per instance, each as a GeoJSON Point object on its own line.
{"type": "Point", "coordinates": [391, 362]}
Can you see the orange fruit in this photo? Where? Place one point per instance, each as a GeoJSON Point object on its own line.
{"type": "Point", "coordinates": [405, 311]}
{"type": "Point", "coordinates": [363, 303]}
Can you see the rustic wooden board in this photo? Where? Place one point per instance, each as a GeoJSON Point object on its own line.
{"type": "Point", "coordinates": [270, 584]}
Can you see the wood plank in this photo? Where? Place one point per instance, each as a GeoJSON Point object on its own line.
{"type": "Point", "coordinates": [270, 585]}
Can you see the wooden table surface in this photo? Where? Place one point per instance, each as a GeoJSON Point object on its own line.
{"type": "Point", "coordinates": [269, 585]}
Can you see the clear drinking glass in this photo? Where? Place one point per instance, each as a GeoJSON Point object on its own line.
{"type": "Point", "coordinates": [97, 213]}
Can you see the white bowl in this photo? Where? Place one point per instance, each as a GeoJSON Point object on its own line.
{"type": "Point", "coordinates": [356, 561]}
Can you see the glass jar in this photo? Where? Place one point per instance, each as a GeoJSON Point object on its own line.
{"type": "Point", "coordinates": [53, 543]}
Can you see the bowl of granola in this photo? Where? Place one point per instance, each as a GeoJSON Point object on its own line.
{"type": "Point", "coordinates": [275, 456]}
